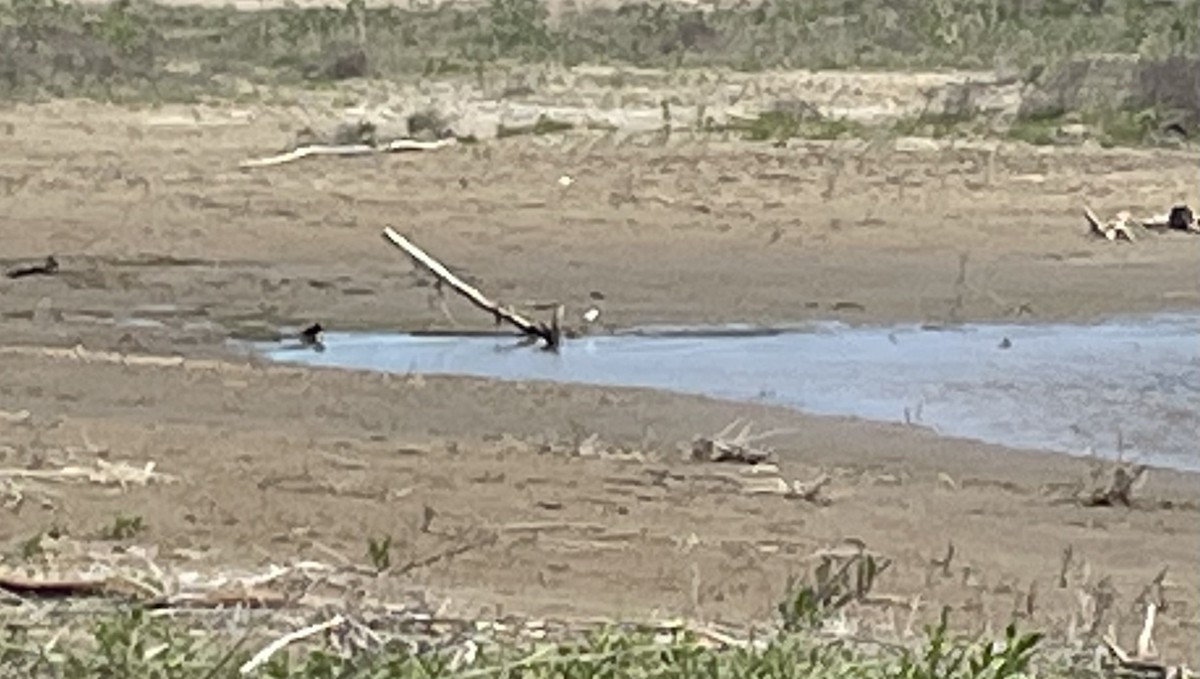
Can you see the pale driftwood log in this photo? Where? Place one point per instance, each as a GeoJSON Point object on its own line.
{"type": "Point", "coordinates": [551, 335]}
{"type": "Point", "coordinates": [1124, 666]}
{"type": "Point", "coordinates": [811, 491]}
{"type": "Point", "coordinates": [795, 490]}
{"type": "Point", "coordinates": [104, 473]}
{"type": "Point", "coordinates": [346, 150]}
{"type": "Point", "coordinates": [739, 448]}
{"type": "Point", "coordinates": [1112, 230]}
{"type": "Point", "coordinates": [306, 151]}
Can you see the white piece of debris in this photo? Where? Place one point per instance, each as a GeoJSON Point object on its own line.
{"type": "Point", "coordinates": [566, 180]}
{"type": "Point", "coordinates": [1180, 218]}
{"type": "Point", "coordinates": [394, 146]}
{"type": "Point", "coordinates": [591, 315]}
{"type": "Point", "coordinates": [1115, 229]}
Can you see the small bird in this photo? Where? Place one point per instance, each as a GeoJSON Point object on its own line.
{"type": "Point", "coordinates": [49, 268]}
{"type": "Point", "coordinates": [313, 336]}
{"type": "Point", "coordinates": [1176, 128]}
{"type": "Point", "coordinates": [1181, 218]}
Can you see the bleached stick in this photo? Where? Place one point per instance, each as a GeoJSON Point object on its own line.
{"type": "Point", "coordinates": [275, 646]}
{"type": "Point", "coordinates": [346, 150]}
{"type": "Point", "coordinates": [306, 151]}
{"type": "Point", "coordinates": [1145, 644]}
{"type": "Point", "coordinates": [471, 294]}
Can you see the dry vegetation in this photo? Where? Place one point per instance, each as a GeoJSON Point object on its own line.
{"type": "Point", "coordinates": [141, 52]}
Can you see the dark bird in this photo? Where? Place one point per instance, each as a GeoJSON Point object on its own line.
{"type": "Point", "coordinates": [48, 268]}
{"type": "Point", "coordinates": [312, 336]}
{"type": "Point", "coordinates": [1181, 218]}
{"type": "Point", "coordinates": [1175, 128]}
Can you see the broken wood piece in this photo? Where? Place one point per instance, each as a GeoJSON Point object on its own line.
{"type": "Point", "coordinates": [346, 150]}
{"type": "Point", "coordinates": [53, 589]}
{"type": "Point", "coordinates": [306, 151]}
{"type": "Point", "coordinates": [417, 145]}
{"type": "Point", "coordinates": [551, 335]}
{"type": "Point", "coordinates": [274, 647]}
{"type": "Point", "coordinates": [796, 490]}
{"type": "Point", "coordinates": [740, 448]}
{"type": "Point", "coordinates": [1129, 667]}
{"type": "Point", "coordinates": [47, 268]}
{"type": "Point", "coordinates": [1113, 230]}
{"type": "Point", "coordinates": [230, 597]}
{"type": "Point", "coordinates": [104, 473]}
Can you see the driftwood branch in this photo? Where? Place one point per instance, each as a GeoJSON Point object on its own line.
{"type": "Point", "coordinates": [1115, 229]}
{"type": "Point", "coordinates": [795, 490]}
{"type": "Point", "coordinates": [345, 150]}
{"type": "Point", "coordinates": [1143, 663]}
{"type": "Point", "coordinates": [550, 334]}
{"type": "Point", "coordinates": [725, 446]}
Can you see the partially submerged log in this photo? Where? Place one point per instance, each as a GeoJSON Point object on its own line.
{"type": "Point", "coordinates": [550, 334]}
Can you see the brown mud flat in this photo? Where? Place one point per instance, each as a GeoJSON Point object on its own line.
{"type": "Point", "coordinates": [154, 223]}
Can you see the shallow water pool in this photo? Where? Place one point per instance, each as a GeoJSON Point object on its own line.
{"type": "Point", "coordinates": [1129, 384]}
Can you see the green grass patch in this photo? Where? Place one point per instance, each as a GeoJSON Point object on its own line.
{"type": "Point", "coordinates": [135, 644]}
{"type": "Point", "coordinates": [130, 641]}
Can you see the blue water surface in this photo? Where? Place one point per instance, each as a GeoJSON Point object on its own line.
{"type": "Point", "coordinates": [1129, 385]}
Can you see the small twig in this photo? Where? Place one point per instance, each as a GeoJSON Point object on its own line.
{"type": "Point", "coordinates": [721, 447]}
{"type": "Point", "coordinates": [811, 491]}
{"type": "Point", "coordinates": [1068, 557]}
{"type": "Point", "coordinates": [944, 563]}
{"type": "Point", "coordinates": [220, 665]}
{"type": "Point", "coordinates": [539, 657]}
{"type": "Point", "coordinates": [275, 646]}
{"type": "Point", "coordinates": [446, 554]}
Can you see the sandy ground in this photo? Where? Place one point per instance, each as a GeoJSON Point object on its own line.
{"type": "Point", "coordinates": [157, 223]}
